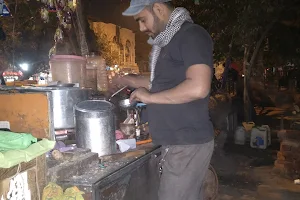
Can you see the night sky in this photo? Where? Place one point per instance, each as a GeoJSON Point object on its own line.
{"type": "Point", "coordinates": [110, 11]}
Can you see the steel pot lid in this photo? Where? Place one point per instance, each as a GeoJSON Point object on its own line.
{"type": "Point", "coordinates": [96, 106]}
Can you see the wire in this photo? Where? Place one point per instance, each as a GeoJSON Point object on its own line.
{"type": "Point", "coordinates": [18, 170]}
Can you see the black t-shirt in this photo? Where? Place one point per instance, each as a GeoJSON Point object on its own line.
{"type": "Point", "coordinates": [187, 123]}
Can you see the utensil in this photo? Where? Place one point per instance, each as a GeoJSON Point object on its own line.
{"type": "Point", "coordinates": [63, 100]}
{"type": "Point", "coordinates": [65, 85]}
{"type": "Point", "coordinates": [126, 104]}
{"type": "Point", "coordinates": [117, 92]}
{"type": "Point", "coordinates": [127, 129]}
{"type": "Point", "coordinates": [95, 126]}
{"type": "Point", "coordinates": [60, 84]}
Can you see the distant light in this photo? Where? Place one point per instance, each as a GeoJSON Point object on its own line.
{"type": "Point", "coordinates": [243, 75]}
{"type": "Point", "coordinates": [74, 3]}
{"type": "Point", "coordinates": [24, 66]}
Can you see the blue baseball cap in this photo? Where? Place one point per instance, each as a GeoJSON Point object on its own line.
{"type": "Point", "coordinates": [136, 6]}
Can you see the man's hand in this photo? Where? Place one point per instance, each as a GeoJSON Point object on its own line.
{"type": "Point", "coordinates": [141, 94]}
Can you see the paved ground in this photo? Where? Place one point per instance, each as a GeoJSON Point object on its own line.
{"type": "Point", "coordinates": [246, 174]}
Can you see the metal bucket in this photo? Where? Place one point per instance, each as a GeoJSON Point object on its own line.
{"type": "Point", "coordinates": [95, 126]}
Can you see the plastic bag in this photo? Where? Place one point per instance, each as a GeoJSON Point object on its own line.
{"type": "Point", "coordinates": [15, 141]}
{"type": "Point", "coordinates": [54, 192]}
{"type": "Point", "coordinates": [14, 157]}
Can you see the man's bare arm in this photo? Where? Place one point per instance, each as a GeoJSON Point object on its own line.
{"type": "Point", "coordinates": [135, 81]}
{"type": "Point", "coordinates": [196, 86]}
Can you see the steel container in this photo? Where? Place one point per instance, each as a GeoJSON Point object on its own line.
{"type": "Point", "coordinates": [95, 126]}
{"type": "Point", "coordinates": [64, 100]}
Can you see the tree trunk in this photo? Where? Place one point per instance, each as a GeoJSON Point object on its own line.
{"type": "Point", "coordinates": [246, 80]}
{"type": "Point", "coordinates": [258, 45]}
{"type": "Point", "coordinates": [258, 68]}
{"type": "Point", "coordinates": [81, 24]}
{"type": "Point", "coordinates": [247, 69]}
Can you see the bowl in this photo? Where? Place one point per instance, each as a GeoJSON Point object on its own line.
{"type": "Point", "coordinates": [126, 104]}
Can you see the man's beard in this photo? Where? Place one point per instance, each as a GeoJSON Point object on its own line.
{"type": "Point", "coordinates": [158, 26]}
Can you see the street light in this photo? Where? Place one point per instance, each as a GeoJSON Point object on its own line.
{"type": "Point", "coordinates": [24, 66]}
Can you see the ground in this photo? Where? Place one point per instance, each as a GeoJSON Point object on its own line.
{"type": "Point", "coordinates": [247, 174]}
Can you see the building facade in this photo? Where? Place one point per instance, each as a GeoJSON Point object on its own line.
{"type": "Point", "coordinates": [122, 40]}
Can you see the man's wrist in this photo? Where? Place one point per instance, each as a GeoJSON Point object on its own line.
{"type": "Point", "coordinates": [152, 98]}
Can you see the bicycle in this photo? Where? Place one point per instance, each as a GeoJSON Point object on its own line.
{"type": "Point", "coordinates": [211, 184]}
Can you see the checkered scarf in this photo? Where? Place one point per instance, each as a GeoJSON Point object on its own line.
{"type": "Point", "coordinates": [177, 18]}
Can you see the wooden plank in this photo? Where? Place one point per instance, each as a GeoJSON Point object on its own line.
{"type": "Point", "coordinates": [26, 112]}
{"type": "Point", "coordinates": [32, 184]}
{"type": "Point", "coordinates": [4, 187]}
{"type": "Point", "coordinates": [10, 172]}
{"type": "Point", "coordinates": [41, 172]}
{"type": "Point", "coordinates": [124, 155]}
{"type": "Point", "coordinates": [36, 170]}
{"type": "Point", "coordinates": [37, 178]}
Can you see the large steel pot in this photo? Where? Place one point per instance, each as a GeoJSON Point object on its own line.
{"type": "Point", "coordinates": [95, 126]}
{"type": "Point", "coordinates": [64, 100]}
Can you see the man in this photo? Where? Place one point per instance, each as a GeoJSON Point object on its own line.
{"type": "Point", "coordinates": [177, 95]}
{"type": "Point", "coordinates": [2, 80]}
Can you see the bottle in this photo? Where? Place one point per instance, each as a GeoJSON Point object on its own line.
{"type": "Point", "coordinates": [91, 71]}
{"type": "Point", "coordinates": [102, 79]}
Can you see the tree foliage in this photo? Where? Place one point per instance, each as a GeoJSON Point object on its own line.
{"type": "Point", "coordinates": [235, 24]}
{"type": "Point", "coordinates": [28, 38]}
{"type": "Point", "coordinates": [240, 29]}
{"type": "Point", "coordinates": [108, 49]}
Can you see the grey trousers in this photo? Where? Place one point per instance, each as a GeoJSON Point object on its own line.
{"type": "Point", "coordinates": [183, 170]}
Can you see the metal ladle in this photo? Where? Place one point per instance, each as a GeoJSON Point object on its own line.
{"type": "Point", "coordinates": [117, 92]}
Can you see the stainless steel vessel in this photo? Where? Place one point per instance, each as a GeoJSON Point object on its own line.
{"type": "Point", "coordinates": [126, 104]}
{"type": "Point", "coordinates": [95, 126]}
{"type": "Point", "coordinates": [64, 100]}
